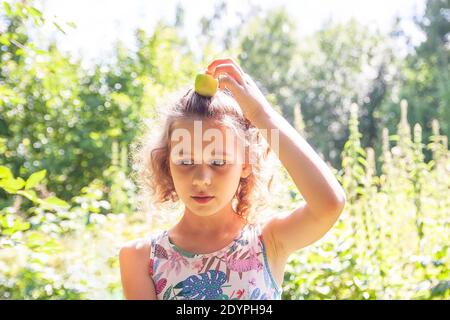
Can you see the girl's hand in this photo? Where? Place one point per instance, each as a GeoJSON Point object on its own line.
{"type": "Point", "coordinates": [241, 85]}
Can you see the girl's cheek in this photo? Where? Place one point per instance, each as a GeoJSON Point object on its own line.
{"type": "Point", "coordinates": [230, 172]}
{"type": "Point", "coordinates": [180, 176]}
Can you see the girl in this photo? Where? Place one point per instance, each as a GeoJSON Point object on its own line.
{"type": "Point", "coordinates": [217, 250]}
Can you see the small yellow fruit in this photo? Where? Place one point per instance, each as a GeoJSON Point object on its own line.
{"type": "Point", "coordinates": [206, 85]}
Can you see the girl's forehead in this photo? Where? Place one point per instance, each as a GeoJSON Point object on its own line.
{"type": "Point", "coordinates": [191, 134]}
{"type": "Point", "coordinates": [205, 129]}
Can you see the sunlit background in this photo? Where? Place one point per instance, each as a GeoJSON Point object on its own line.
{"type": "Point", "coordinates": [367, 83]}
{"type": "Point", "coordinates": [100, 23]}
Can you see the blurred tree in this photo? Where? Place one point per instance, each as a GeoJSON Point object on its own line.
{"type": "Point", "coordinates": [436, 50]}
{"type": "Point", "coordinates": [326, 72]}
{"type": "Point", "coordinates": [58, 116]}
{"type": "Point", "coordinates": [267, 49]}
{"type": "Point", "coordinates": [425, 74]}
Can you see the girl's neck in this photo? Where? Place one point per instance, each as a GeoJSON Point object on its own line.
{"type": "Point", "coordinates": [224, 221]}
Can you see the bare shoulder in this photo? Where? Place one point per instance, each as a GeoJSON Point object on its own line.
{"type": "Point", "coordinates": [135, 248]}
{"type": "Point", "coordinates": [134, 270]}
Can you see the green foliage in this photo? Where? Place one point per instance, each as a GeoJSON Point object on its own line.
{"type": "Point", "coordinates": [424, 75]}
{"type": "Point", "coordinates": [391, 241]}
{"type": "Point", "coordinates": [67, 199]}
{"type": "Point", "coordinates": [67, 116]}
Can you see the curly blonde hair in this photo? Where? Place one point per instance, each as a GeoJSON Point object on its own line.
{"type": "Point", "coordinates": [152, 153]}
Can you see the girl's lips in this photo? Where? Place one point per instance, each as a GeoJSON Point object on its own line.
{"type": "Point", "coordinates": [202, 199]}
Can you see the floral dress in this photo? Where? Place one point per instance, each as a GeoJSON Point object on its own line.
{"type": "Point", "coordinates": [236, 272]}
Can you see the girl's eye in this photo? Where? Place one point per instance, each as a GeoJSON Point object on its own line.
{"type": "Point", "coordinates": [219, 163]}
{"type": "Point", "coordinates": [184, 162]}
{"type": "Point", "coordinates": [187, 162]}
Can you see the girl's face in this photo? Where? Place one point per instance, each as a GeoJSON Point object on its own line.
{"type": "Point", "coordinates": [206, 159]}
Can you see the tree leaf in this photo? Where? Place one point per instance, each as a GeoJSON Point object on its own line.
{"type": "Point", "coordinates": [36, 15]}
{"type": "Point", "coordinates": [71, 24]}
{"type": "Point", "coordinates": [5, 173]}
{"type": "Point", "coordinates": [362, 161]}
{"type": "Point", "coordinates": [12, 184]}
{"type": "Point", "coordinates": [55, 201]}
{"type": "Point", "coordinates": [4, 40]}
{"type": "Point", "coordinates": [30, 194]}
{"type": "Point", "coordinates": [35, 178]}
{"type": "Point", "coordinates": [7, 8]}
{"type": "Point", "coordinates": [35, 12]}
{"type": "Point", "coordinates": [59, 27]}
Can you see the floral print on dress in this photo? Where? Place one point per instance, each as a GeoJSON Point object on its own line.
{"type": "Point", "coordinates": [238, 271]}
{"type": "Point", "coordinates": [246, 264]}
{"type": "Point", "coordinates": [207, 285]}
{"type": "Point", "coordinates": [174, 262]}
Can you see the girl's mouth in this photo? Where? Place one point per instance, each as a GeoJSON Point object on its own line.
{"type": "Point", "coordinates": [202, 199]}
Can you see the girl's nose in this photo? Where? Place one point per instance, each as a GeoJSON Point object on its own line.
{"type": "Point", "coordinates": [202, 175]}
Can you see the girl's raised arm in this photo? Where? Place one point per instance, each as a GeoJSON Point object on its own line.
{"type": "Point", "coordinates": [324, 196]}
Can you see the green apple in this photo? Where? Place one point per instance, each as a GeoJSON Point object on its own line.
{"type": "Point", "coordinates": [206, 85]}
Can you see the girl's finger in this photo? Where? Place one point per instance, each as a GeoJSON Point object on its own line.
{"type": "Point", "coordinates": [247, 78]}
{"type": "Point", "coordinates": [229, 83]}
{"type": "Point", "coordinates": [230, 70]}
{"type": "Point", "coordinates": [217, 62]}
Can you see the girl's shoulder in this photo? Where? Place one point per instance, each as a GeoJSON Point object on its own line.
{"type": "Point", "coordinates": [142, 246]}
{"type": "Point", "coordinates": [137, 248]}
{"type": "Point", "coordinates": [134, 270]}
{"type": "Point", "coordinates": [137, 252]}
